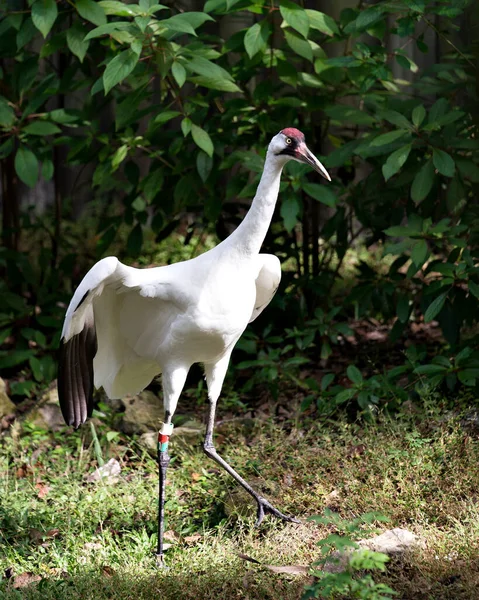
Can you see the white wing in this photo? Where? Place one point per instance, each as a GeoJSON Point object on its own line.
{"type": "Point", "coordinates": [93, 350]}
{"type": "Point", "coordinates": [267, 282]}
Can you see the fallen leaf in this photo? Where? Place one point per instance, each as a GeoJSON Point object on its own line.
{"type": "Point", "coordinates": [332, 496]}
{"type": "Point", "coordinates": [290, 569]}
{"type": "Point", "coordinates": [356, 451]}
{"type": "Point", "coordinates": [195, 476]}
{"type": "Point", "coordinates": [248, 558]}
{"type": "Point", "coordinates": [52, 533]}
{"type": "Point", "coordinates": [191, 539]}
{"type": "Point", "coordinates": [107, 571]}
{"type": "Point", "coordinates": [25, 579]}
{"type": "Point", "coordinates": [42, 489]}
{"type": "Point", "coordinates": [170, 535]}
{"type": "Point", "coordinates": [21, 472]}
{"type": "Point", "coordinates": [108, 472]}
{"type": "Point", "coordinates": [35, 534]}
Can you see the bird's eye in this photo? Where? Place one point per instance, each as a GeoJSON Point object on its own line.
{"type": "Point", "coordinates": [288, 140]}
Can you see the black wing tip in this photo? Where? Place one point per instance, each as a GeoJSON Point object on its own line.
{"type": "Point", "coordinates": [75, 375]}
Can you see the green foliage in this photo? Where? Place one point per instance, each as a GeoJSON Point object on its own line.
{"type": "Point", "coordinates": [350, 581]}
{"type": "Point", "coordinates": [197, 111]}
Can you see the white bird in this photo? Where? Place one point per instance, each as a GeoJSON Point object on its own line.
{"type": "Point", "coordinates": [124, 326]}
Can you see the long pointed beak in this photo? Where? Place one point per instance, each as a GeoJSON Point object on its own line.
{"type": "Point", "coordinates": [306, 156]}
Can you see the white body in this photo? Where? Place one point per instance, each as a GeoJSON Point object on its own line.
{"type": "Point", "coordinates": [165, 319]}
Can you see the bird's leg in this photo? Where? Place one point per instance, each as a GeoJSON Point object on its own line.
{"type": "Point", "coordinates": [163, 462]}
{"type": "Point", "coordinates": [264, 506]}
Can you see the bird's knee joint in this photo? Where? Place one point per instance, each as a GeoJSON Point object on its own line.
{"type": "Point", "coordinates": [209, 447]}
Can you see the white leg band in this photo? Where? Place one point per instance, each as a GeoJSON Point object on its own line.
{"type": "Point", "coordinates": [166, 429]}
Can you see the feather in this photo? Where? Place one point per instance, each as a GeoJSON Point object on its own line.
{"type": "Point", "coordinates": [75, 373]}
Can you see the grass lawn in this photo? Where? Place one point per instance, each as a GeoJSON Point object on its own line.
{"type": "Point", "coordinates": [92, 540]}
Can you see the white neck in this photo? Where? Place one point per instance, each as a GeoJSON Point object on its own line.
{"type": "Point", "coordinates": [249, 235]}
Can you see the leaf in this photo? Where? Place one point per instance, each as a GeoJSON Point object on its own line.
{"type": "Point", "coordinates": [295, 16]}
{"type": "Point", "coordinates": [248, 558]}
{"type": "Point", "coordinates": [36, 367]}
{"type": "Point", "coordinates": [288, 569]}
{"type": "Point", "coordinates": [44, 14]}
{"type": "Point", "coordinates": [203, 66]}
{"type": "Point", "coordinates": [7, 116]}
{"type": "Point", "coordinates": [196, 18]}
{"type": "Point", "coordinates": [474, 289]}
{"type": "Point", "coordinates": [419, 253]}
{"type": "Point", "coordinates": [91, 11]}
{"type": "Point", "coordinates": [204, 164]}
{"type": "Point", "coordinates": [367, 17]}
{"type": "Point", "coordinates": [396, 118]}
{"type": "Point", "coordinates": [290, 210]}
{"type": "Point", "coordinates": [395, 161]}
{"type": "Point", "coordinates": [26, 166]}
{"type": "Point", "coordinates": [202, 139]}
{"type": "Point", "coordinates": [214, 5]}
{"type": "Point", "coordinates": [468, 376]}
{"type": "Point", "coordinates": [186, 126]}
{"type": "Point", "coordinates": [119, 156]}
{"type": "Point", "coordinates": [435, 307]}
{"type": "Point", "coordinates": [345, 395]}
{"type": "Point", "coordinates": [119, 68]}
{"type": "Point", "coordinates": [299, 45]}
{"type": "Point", "coordinates": [152, 184]}
{"type": "Point", "coordinates": [26, 33]}
{"type": "Point", "coordinates": [321, 193]}
{"type": "Point", "coordinates": [468, 169]}
{"type": "Point", "coordinates": [41, 128]}
{"type": "Point", "coordinates": [165, 116]}
{"type": "Point", "coordinates": [215, 83]}
{"type": "Point", "coordinates": [12, 359]}
{"type": "Point", "coordinates": [135, 241]}
{"type": "Point", "coordinates": [429, 369]}
{"type": "Point", "coordinates": [60, 115]}
{"type": "Point", "coordinates": [256, 38]}
{"type": "Point", "coordinates": [354, 374]}
{"type": "Point", "coordinates": [179, 73]}
{"type": "Point", "coordinates": [119, 9]}
{"type": "Point", "coordinates": [402, 308]}
{"type": "Point", "coordinates": [106, 29]}
{"type": "Point", "coordinates": [76, 40]}
{"type": "Point", "coordinates": [443, 162]}
{"type": "Point", "coordinates": [138, 204]}
{"type": "Point", "coordinates": [349, 114]}
{"type": "Point", "coordinates": [388, 138]}
{"type": "Point", "coordinates": [47, 169]}
{"type": "Point", "coordinates": [25, 580]}
{"type": "Point", "coordinates": [322, 22]}
{"type": "Point", "coordinates": [418, 115]}
{"type": "Point", "coordinates": [179, 24]}
{"type": "Point", "coordinates": [422, 184]}
{"type": "Point", "coordinates": [327, 380]}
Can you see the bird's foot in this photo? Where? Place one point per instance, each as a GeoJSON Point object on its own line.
{"type": "Point", "coordinates": [264, 507]}
{"type": "Point", "coordinates": [160, 561]}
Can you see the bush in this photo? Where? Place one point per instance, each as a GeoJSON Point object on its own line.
{"type": "Point", "coordinates": [164, 106]}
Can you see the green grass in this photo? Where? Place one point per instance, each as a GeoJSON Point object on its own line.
{"type": "Point", "coordinates": [88, 540]}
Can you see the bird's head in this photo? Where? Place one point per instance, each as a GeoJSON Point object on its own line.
{"type": "Point", "coordinates": [290, 143]}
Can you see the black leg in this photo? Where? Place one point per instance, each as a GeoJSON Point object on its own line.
{"type": "Point", "coordinates": [163, 462]}
{"type": "Point", "coordinates": [264, 507]}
